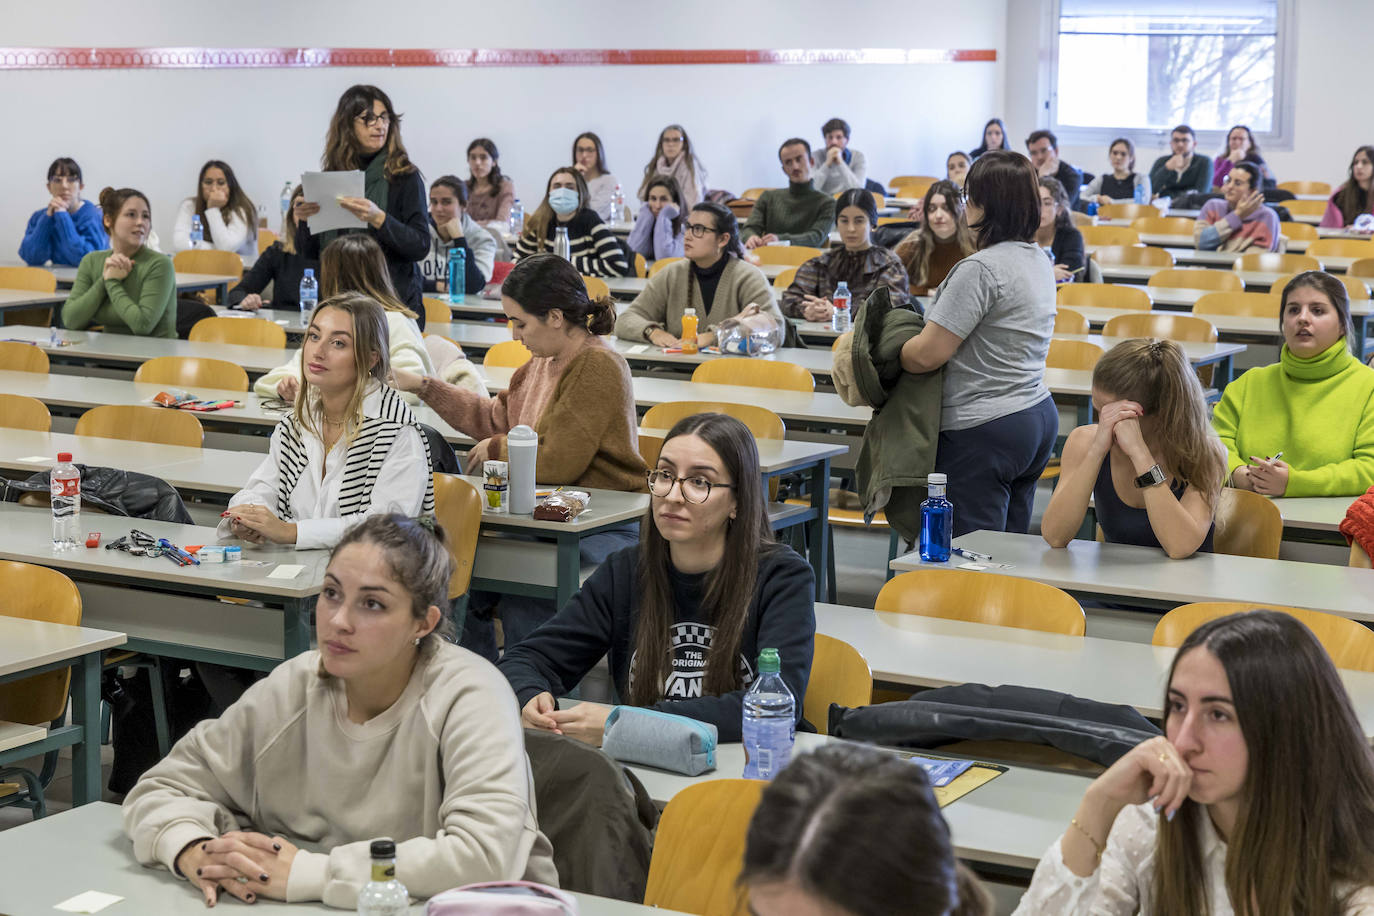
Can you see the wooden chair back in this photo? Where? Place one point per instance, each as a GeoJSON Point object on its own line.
{"type": "Point", "coordinates": [755, 373]}
{"type": "Point", "coordinates": [784, 279]}
{"type": "Point", "coordinates": [247, 332]}
{"type": "Point", "coordinates": [1355, 287]}
{"type": "Point", "coordinates": [1349, 643]}
{"type": "Point", "coordinates": [1104, 296]}
{"type": "Point", "coordinates": [20, 412]}
{"type": "Point", "coordinates": [1248, 525]}
{"type": "Point", "coordinates": [754, 193]}
{"type": "Point", "coordinates": [508, 353]}
{"type": "Point", "coordinates": [1295, 232]}
{"type": "Point", "coordinates": [458, 506]}
{"type": "Point", "coordinates": [699, 848]}
{"type": "Point", "coordinates": [1305, 187]}
{"type": "Point", "coordinates": [839, 674]}
{"type": "Point", "coordinates": [437, 311]}
{"type": "Point", "coordinates": [641, 265]}
{"type": "Point", "coordinates": [1341, 248]}
{"type": "Point", "coordinates": [982, 597]}
{"type": "Point", "coordinates": [1310, 209]}
{"type": "Point", "coordinates": [266, 237]}
{"type": "Point", "coordinates": [1162, 225]}
{"type": "Point", "coordinates": [1255, 305]}
{"type": "Point", "coordinates": [914, 179]}
{"type": "Point", "coordinates": [141, 423]}
{"type": "Point", "coordinates": [762, 423]}
{"type": "Point", "coordinates": [1364, 267]}
{"type": "Point", "coordinates": [1067, 321]}
{"type": "Point", "coordinates": [1109, 235]}
{"type": "Point", "coordinates": [32, 279]}
{"type": "Point", "coordinates": [37, 593]}
{"type": "Point", "coordinates": [660, 264]}
{"type": "Point", "coordinates": [209, 261]}
{"type": "Point", "coordinates": [789, 255]}
{"type": "Point", "coordinates": [1132, 256]}
{"type": "Point", "coordinates": [17, 356]}
{"type": "Point", "coordinates": [1224, 281]}
{"type": "Point", "coordinates": [1126, 211]}
{"type": "Point", "coordinates": [1160, 324]}
{"type": "Point", "coordinates": [1073, 354]}
{"type": "Point", "coordinates": [192, 372]}
{"type": "Point", "coordinates": [596, 288]}
{"type": "Point", "coordinates": [1278, 263]}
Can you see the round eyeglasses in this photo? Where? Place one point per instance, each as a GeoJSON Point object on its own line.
{"type": "Point", "coordinates": [695, 489]}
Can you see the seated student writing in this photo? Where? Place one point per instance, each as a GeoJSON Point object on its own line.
{"type": "Point", "coordinates": [228, 219]}
{"type": "Point", "coordinates": [1121, 184]}
{"type": "Point", "coordinates": [714, 279]}
{"type": "Point", "coordinates": [837, 167]}
{"type": "Point", "coordinates": [129, 289]}
{"type": "Point", "coordinates": [1151, 432]}
{"type": "Point", "coordinates": [354, 264]}
{"type": "Point", "coordinates": [858, 263]}
{"type": "Point", "coordinates": [1184, 170]}
{"type": "Point", "coordinates": [797, 214]}
{"type": "Point", "coordinates": [589, 158]}
{"type": "Point", "coordinates": [279, 266]}
{"type": "Point", "coordinates": [658, 230]}
{"type": "Point", "coordinates": [68, 228]}
{"type": "Point", "coordinates": [594, 249]}
{"type": "Point", "coordinates": [851, 830]}
{"type": "Point", "coordinates": [451, 227]}
{"type": "Point", "coordinates": [707, 579]}
{"type": "Point", "coordinates": [1303, 426]}
{"type": "Point", "coordinates": [944, 239]}
{"type": "Point", "coordinates": [674, 158]}
{"type": "Point", "coordinates": [350, 447]}
{"type": "Point", "coordinates": [490, 194]}
{"type": "Point", "coordinates": [1239, 221]}
{"type": "Point", "coordinates": [385, 730]}
{"type": "Point", "coordinates": [1258, 797]}
{"type": "Point", "coordinates": [1352, 199]}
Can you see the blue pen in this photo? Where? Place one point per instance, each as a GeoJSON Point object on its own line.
{"type": "Point", "coordinates": [168, 545]}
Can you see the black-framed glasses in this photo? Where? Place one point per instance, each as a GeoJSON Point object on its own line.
{"type": "Point", "coordinates": [368, 118]}
{"type": "Point", "coordinates": [697, 230]}
{"type": "Point", "coordinates": [695, 489]}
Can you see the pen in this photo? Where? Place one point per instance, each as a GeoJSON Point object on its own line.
{"type": "Point", "coordinates": [174, 549]}
{"type": "Point", "coordinates": [174, 558]}
{"type": "Point", "coordinates": [970, 554]}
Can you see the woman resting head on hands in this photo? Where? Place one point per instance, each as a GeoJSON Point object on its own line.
{"type": "Point", "coordinates": [349, 448]}
{"type": "Point", "coordinates": [1303, 426]}
{"type": "Point", "coordinates": [385, 730]}
{"type": "Point", "coordinates": [1258, 798]}
{"type": "Point", "coordinates": [684, 614]}
{"type": "Point", "coordinates": [1151, 462]}
{"type": "Point", "coordinates": [657, 232]}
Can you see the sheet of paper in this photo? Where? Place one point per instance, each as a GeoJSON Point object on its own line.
{"type": "Point", "coordinates": [325, 189]}
{"type": "Point", "coordinates": [285, 571]}
{"type": "Point", "coordinates": [89, 902]}
{"type": "Point", "coordinates": [37, 459]}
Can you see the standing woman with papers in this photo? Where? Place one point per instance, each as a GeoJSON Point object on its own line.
{"type": "Point", "coordinates": [365, 134]}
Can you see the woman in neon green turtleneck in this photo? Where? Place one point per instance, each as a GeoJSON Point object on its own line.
{"type": "Point", "coordinates": [1315, 405]}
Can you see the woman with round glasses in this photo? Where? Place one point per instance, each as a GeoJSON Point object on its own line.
{"type": "Point", "coordinates": [683, 615]}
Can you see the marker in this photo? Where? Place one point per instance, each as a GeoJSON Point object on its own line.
{"type": "Point", "coordinates": [970, 554]}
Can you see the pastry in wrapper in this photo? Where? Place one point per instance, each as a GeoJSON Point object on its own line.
{"type": "Point", "coordinates": [562, 505]}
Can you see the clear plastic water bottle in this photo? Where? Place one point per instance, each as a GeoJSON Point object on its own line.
{"type": "Point", "coordinates": [561, 245]}
{"type": "Point", "coordinates": [383, 895]}
{"type": "Point", "coordinates": [310, 293]}
{"type": "Point", "coordinates": [839, 322]}
{"type": "Point", "coordinates": [770, 722]}
{"type": "Point", "coordinates": [617, 205]}
{"type": "Point", "coordinates": [286, 197]}
{"type": "Point", "coordinates": [65, 488]}
{"type": "Point", "coordinates": [937, 521]}
{"type": "Point", "coordinates": [197, 232]}
{"type": "Point", "coordinates": [1139, 195]}
{"type": "Point", "coordinates": [517, 218]}
{"type": "Point", "coordinates": [457, 273]}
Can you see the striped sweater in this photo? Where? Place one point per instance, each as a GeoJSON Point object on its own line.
{"type": "Point", "coordinates": [595, 250]}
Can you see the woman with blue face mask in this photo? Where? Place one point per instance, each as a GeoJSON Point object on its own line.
{"type": "Point", "coordinates": [594, 250]}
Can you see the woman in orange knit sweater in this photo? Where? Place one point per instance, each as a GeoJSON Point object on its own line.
{"type": "Point", "coordinates": [575, 392]}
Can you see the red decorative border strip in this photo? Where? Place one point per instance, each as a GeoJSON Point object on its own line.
{"type": "Point", "coordinates": [279, 58]}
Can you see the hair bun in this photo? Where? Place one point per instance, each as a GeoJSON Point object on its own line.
{"type": "Point", "coordinates": [106, 198]}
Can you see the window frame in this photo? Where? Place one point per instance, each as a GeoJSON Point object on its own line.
{"type": "Point", "coordinates": [1280, 137]}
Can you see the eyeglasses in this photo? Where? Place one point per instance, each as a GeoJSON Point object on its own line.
{"type": "Point", "coordinates": [368, 118]}
{"type": "Point", "coordinates": [672, 139]}
{"type": "Point", "coordinates": [697, 230]}
{"type": "Point", "coordinates": [694, 489]}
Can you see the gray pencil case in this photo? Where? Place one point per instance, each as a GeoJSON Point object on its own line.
{"type": "Point", "coordinates": [659, 739]}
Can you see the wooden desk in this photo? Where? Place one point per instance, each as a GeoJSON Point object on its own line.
{"type": "Point", "coordinates": [29, 647]}
{"type": "Point", "coordinates": [1143, 577]}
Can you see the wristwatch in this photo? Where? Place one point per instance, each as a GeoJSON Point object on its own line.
{"type": "Point", "coordinates": [1153, 477]}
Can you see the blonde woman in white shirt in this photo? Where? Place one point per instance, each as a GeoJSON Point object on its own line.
{"type": "Point", "coordinates": [350, 448]}
{"type": "Point", "coordinates": [1258, 799]}
{"type": "Point", "coordinates": [228, 219]}
{"type": "Point", "coordinates": [386, 730]}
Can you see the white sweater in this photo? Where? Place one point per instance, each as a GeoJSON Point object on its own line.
{"type": "Point", "coordinates": [234, 235]}
{"type": "Point", "coordinates": [443, 772]}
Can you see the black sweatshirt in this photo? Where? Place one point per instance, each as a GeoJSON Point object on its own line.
{"type": "Point", "coordinates": [282, 270]}
{"type": "Point", "coordinates": [600, 619]}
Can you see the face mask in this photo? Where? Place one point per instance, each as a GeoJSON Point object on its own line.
{"type": "Point", "coordinates": [563, 200]}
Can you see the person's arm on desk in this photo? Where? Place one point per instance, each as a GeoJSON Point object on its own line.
{"type": "Point", "coordinates": [1180, 523]}
{"type": "Point", "coordinates": [1084, 451]}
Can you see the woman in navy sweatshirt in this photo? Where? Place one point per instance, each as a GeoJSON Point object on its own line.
{"type": "Point", "coordinates": [684, 614]}
{"type": "Point", "coordinates": [68, 228]}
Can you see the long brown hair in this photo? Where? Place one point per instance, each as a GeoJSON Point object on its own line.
{"type": "Point", "coordinates": [341, 150]}
{"type": "Point", "coordinates": [537, 226]}
{"type": "Point", "coordinates": [354, 263]}
{"type": "Point", "coordinates": [652, 168]}
{"type": "Point", "coordinates": [494, 177]}
{"type": "Point", "coordinates": [239, 201]}
{"type": "Point", "coordinates": [371, 340]}
{"type": "Point", "coordinates": [1351, 199]}
{"type": "Point", "coordinates": [1156, 375]}
{"type": "Point", "coordinates": [287, 239]}
{"type": "Point", "coordinates": [1306, 822]}
{"type": "Point", "coordinates": [729, 587]}
{"type": "Point", "coordinates": [915, 250]}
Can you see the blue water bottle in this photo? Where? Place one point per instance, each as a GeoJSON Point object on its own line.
{"type": "Point", "coordinates": [197, 232]}
{"type": "Point", "coordinates": [310, 293]}
{"type": "Point", "coordinates": [1092, 209]}
{"type": "Point", "coordinates": [937, 521]}
{"type": "Point", "coordinates": [457, 273]}
{"type": "Point", "coordinates": [1139, 193]}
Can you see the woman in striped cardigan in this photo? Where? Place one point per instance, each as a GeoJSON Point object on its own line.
{"type": "Point", "coordinates": [350, 448]}
{"type": "Point", "coordinates": [594, 249]}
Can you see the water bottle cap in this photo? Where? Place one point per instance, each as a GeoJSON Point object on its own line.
{"type": "Point", "coordinates": [937, 480]}
{"type": "Point", "coordinates": [64, 457]}
{"type": "Point", "coordinates": [310, 272]}
{"type": "Point", "coordinates": [523, 435]}
{"type": "Point", "coordinates": [690, 311]}
{"type": "Point", "coordinates": [843, 286]}
{"type": "Point", "coordinates": [769, 663]}
{"type": "Point", "coordinates": [383, 849]}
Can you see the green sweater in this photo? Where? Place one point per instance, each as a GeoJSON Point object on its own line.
{"type": "Point", "coordinates": [797, 213]}
{"type": "Point", "coordinates": [144, 302]}
{"type": "Point", "coordinates": [1319, 412]}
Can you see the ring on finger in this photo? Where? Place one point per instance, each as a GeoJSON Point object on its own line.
{"type": "Point", "coordinates": [1163, 757]}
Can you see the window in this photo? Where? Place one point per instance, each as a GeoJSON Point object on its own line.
{"type": "Point", "coordinates": [1147, 65]}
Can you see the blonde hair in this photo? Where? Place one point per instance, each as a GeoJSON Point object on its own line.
{"type": "Point", "coordinates": [371, 340]}
{"type": "Point", "coordinates": [287, 239]}
{"type": "Point", "coordinates": [1155, 374]}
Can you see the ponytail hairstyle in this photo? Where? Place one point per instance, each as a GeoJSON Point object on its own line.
{"type": "Point", "coordinates": [1155, 374]}
{"type": "Point", "coordinates": [1130, 152]}
{"type": "Point", "coordinates": [239, 202]}
{"type": "Point", "coordinates": [541, 283]}
{"type": "Point", "coordinates": [915, 250]}
{"type": "Point", "coordinates": [341, 150]}
{"type": "Point", "coordinates": [861, 198]}
{"type": "Point", "coordinates": [538, 222]}
{"type": "Point", "coordinates": [726, 224]}
{"type": "Point", "coordinates": [454, 184]}
{"type": "Point", "coordinates": [112, 201]}
{"type": "Point", "coordinates": [1350, 199]}
{"type": "Point", "coordinates": [494, 177]}
{"type": "Point", "coordinates": [667, 183]}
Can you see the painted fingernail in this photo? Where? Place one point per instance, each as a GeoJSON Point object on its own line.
{"type": "Point", "coordinates": [204, 847]}
{"type": "Point", "coordinates": [263, 877]}
{"type": "Point", "coordinates": [197, 872]}
{"type": "Point", "coordinates": [1170, 815]}
{"type": "Point", "coordinates": [250, 898]}
{"type": "Point", "coordinates": [277, 847]}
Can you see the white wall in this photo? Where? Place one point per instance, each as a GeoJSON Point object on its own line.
{"type": "Point", "coordinates": [152, 129]}
{"type": "Point", "coordinates": [1332, 57]}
